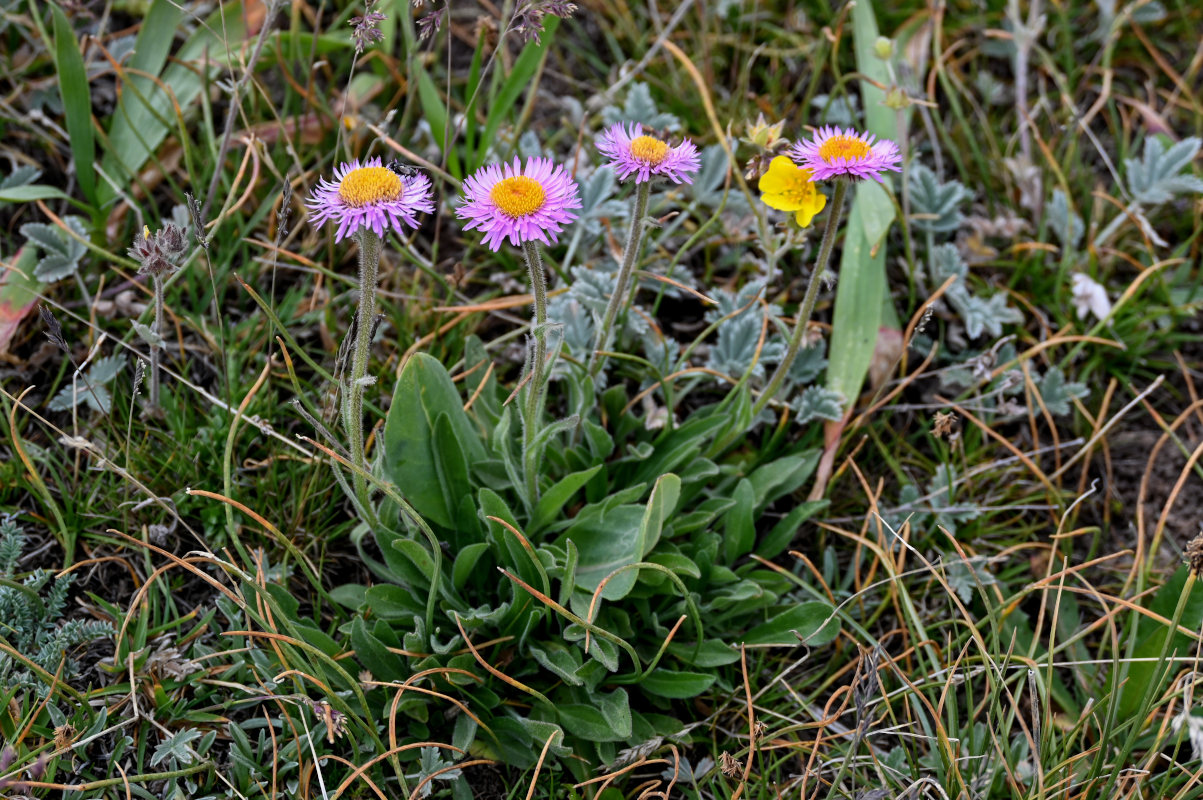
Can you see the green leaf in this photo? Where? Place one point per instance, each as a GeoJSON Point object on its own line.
{"type": "Point", "coordinates": [607, 542]}
{"type": "Point", "coordinates": [350, 595]}
{"type": "Point", "coordinates": [552, 503]}
{"type": "Point", "coordinates": [465, 561]}
{"type": "Point", "coordinates": [679, 564]}
{"type": "Point", "coordinates": [609, 538]}
{"type": "Point", "coordinates": [540, 732]}
{"type": "Point", "coordinates": [508, 742]}
{"type": "Point", "coordinates": [139, 125]}
{"type": "Point", "coordinates": [674, 448]}
{"type": "Point", "coordinates": [881, 118]}
{"type": "Point", "coordinates": [1057, 393]}
{"type": "Point", "coordinates": [572, 557]}
{"type": "Point", "coordinates": [423, 392]}
{"type": "Point", "coordinates": [1161, 175]}
{"type": "Point", "coordinates": [818, 402]}
{"type": "Point", "coordinates": [740, 527]}
{"type": "Point", "coordinates": [936, 205]}
{"type": "Point", "coordinates": [805, 619]}
{"type": "Point", "coordinates": [1066, 224]}
{"type": "Point", "coordinates": [712, 653]}
{"type": "Point", "coordinates": [470, 91]}
{"type": "Point", "coordinates": [780, 477]}
{"type": "Point", "coordinates": [640, 107]}
{"type": "Point", "coordinates": [601, 443]}
{"type": "Point", "coordinates": [560, 660]}
{"type": "Point", "coordinates": [660, 507]}
{"type": "Point", "coordinates": [861, 291]}
{"type": "Point", "coordinates": [77, 102]}
{"type": "Point", "coordinates": [487, 408]}
{"type": "Point", "coordinates": [389, 601]}
{"type": "Point", "coordinates": [374, 656]}
{"type": "Point", "coordinates": [318, 638]}
{"type": "Point", "coordinates": [434, 108]}
{"type": "Point", "coordinates": [676, 685]}
{"type": "Point", "coordinates": [858, 303]}
{"type": "Point", "coordinates": [146, 334]}
{"type": "Point", "coordinates": [1141, 676]}
{"type": "Point", "coordinates": [29, 193]}
{"type": "Point", "coordinates": [607, 719]}
{"type": "Point", "coordinates": [782, 535]}
{"type": "Point", "coordinates": [453, 476]}
{"type": "Point", "coordinates": [416, 554]}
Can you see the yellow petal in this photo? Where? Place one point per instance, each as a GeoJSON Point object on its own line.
{"type": "Point", "coordinates": [781, 170]}
{"type": "Point", "coordinates": [806, 214]}
{"type": "Point", "coordinates": [779, 202]}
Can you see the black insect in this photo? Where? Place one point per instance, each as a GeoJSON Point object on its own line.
{"type": "Point", "coordinates": [403, 170]}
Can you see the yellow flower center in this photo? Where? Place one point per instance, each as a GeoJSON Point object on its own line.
{"type": "Point", "coordinates": [848, 147]}
{"type": "Point", "coordinates": [649, 149]}
{"type": "Point", "coordinates": [798, 189]}
{"type": "Point", "coordinates": [518, 196]}
{"type": "Point", "coordinates": [368, 185]}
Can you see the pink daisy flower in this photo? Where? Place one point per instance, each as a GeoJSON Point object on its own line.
{"type": "Point", "coordinates": [520, 204]}
{"type": "Point", "coordinates": [371, 196]}
{"type": "Point", "coordinates": [631, 151]}
{"type": "Point", "coordinates": [840, 153]}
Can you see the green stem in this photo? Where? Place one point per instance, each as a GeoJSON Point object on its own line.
{"type": "Point", "coordinates": [630, 255]}
{"type": "Point", "coordinates": [808, 302]}
{"type": "Point", "coordinates": [369, 266]}
{"type": "Point", "coordinates": [534, 390]}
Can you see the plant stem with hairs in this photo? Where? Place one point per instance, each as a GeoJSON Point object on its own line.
{"type": "Point", "coordinates": [369, 266]}
{"type": "Point", "coordinates": [535, 388]}
{"type": "Point", "coordinates": [630, 256]}
{"type": "Point", "coordinates": [808, 301]}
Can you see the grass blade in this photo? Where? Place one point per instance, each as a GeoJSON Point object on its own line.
{"type": "Point", "coordinates": [77, 102]}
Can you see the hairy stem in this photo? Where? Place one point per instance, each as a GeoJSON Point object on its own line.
{"type": "Point", "coordinates": [808, 302]}
{"type": "Point", "coordinates": [630, 256]}
{"type": "Point", "coordinates": [534, 389]}
{"type": "Point", "coordinates": [369, 266]}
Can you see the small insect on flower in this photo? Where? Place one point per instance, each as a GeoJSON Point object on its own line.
{"type": "Point", "coordinates": [788, 187]}
{"type": "Point", "coordinates": [402, 170]}
{"type": "Point", "coordinates": [369, 196]}
{"type": "Point", "coordinates": [522, 204]}
{"type": "Point", "coordinates": [844, 153]}
{"type": "Point", "coordinates": [632, 152]}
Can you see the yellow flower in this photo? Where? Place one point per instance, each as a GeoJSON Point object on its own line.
{"type": "Point", "coordinates": [787, 187]}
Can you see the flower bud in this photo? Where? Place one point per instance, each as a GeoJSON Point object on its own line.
{"type": "Point", "coordinates": [883, 48]}
{"type": "Point", "coordinates": [896, 99]}
{"type": "Point", "coordinates": [762, 134]}
{"type": "Point", "coordinates": [173, 239]}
